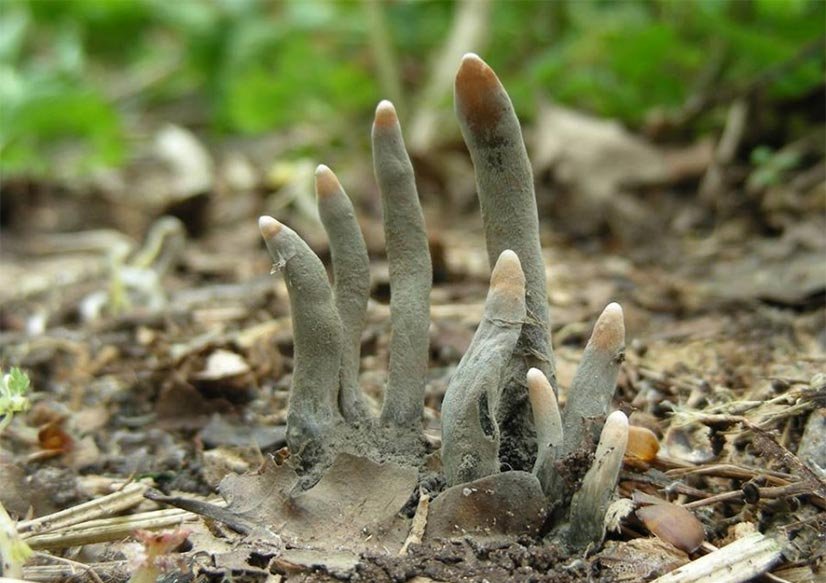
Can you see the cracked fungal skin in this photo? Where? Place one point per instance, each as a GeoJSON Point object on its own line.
{"type": "Point", "coordinates": [500, 409]}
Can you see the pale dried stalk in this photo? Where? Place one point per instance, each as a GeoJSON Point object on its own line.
{"type": "Point", "coordinates": [131, 495]}
{"type": "Point", "coordinates": [419, 523]}
{"type": "Point", "coordinates": [108, 571]}
{"type": "Point", "coordinates": [107, 529]}
{"type": "Point", "coordinates": [739, 561]}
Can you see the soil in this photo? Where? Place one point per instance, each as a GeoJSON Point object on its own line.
{"type": "Point", "coordinates": [187, 381]}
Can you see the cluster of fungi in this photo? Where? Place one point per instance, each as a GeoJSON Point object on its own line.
{"type": "Point", "coordinates": [503, 435]}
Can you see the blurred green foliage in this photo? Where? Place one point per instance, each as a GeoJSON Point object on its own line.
{"type": "Point", "coordinates": [771, 167]}
{"type": "Point", "coordinates": [78, 77]}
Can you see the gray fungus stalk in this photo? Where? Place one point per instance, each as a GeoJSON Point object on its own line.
{"type": "Point", "coordinates": [504, 181]}
{"type": "Point", "coordinates": [410, 271]}
{"type": "Point", "coordinates": [351, 277]}
{"type": "Point", "coordinates": [317, 337]}
{"type": "Point", "coordinates": [470, 436]}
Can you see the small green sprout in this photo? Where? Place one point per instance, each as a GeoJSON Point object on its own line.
{"type": "Point", "coordinates": [13, 395]}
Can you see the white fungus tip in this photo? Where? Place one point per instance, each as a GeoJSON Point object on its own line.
{"type": "Point", "coordinates": [386, 114]}
{"type": "Point", "coordinates": [536, 376]}
{"type": "Point", "coordinates": [471, 57]}
{"type": "Point", "coordinates": [326, 182]}
{"type": "Point", "coordinates": [609, 331]}
{"type": "Point", "coordinates": [269, 227]}
{"type": "Point", "coordinates": [507, 274]}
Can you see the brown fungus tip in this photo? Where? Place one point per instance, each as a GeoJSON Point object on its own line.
{"type": "Point", "coordinates": [479, 94]}
{"type": "Point", "coordinates": [385, 115]}
{"type": "Point", "coordinates": [326, 182]}
{"type": "Point", "coordinates": [609, 331]}
{"type": "Point", "coordinates": [269, 227]}
{"type": "Point", "coordinates": [507, 276]}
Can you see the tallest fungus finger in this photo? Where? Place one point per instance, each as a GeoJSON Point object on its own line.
{"type": "Point", "coordinates": [506, 195]}
{"type": "Point", "coordinates": [410, 271]}
{"type": "Point", "coordinates": [317, 336]}
{"type": "Point", "coordinates": [351, 281]}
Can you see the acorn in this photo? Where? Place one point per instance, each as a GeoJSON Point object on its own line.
{"type": "Point", "coordinates": [642, 447]}
{"type": "Point", "coordinates": [673, 524]}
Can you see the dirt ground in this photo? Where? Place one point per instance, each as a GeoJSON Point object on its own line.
{"type": "Point", "coordinates": [161, 351]}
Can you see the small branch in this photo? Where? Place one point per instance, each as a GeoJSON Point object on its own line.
{"type": "Point", "coordinates": [131, 495]}
{"type": "Point", "coordinates": [468, 32]}
{"type": "Point", "coordinates": [386, 60]}
{"type": "Point", "coordinates": [206, 509]}
{"type": "Point", "coordinates": [417, 527]}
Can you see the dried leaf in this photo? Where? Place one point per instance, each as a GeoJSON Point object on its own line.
{"type": "Point", "coordinates": [510, 503]}
{"type": "Point", "coordinates": [354, 506]}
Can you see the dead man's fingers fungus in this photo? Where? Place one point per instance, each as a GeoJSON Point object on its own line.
{"type": "Point", "coordinates": [591, 501]}
{"type": "Point", "coordinates": [470, 432]}
{"type": "Point", "coordinates": [410, 272]}
{"type": "Point", "coordinates": [317, 337]}
{"type": "Point", "coordinates": [592, 388]}
{"type": "Point", "coordinates": [546, 418]}
{"type": "Point", "coordinates": [504, 181]}
{"type": "Point", "coordinates": [351, 284]}
{"type": "Point", "coordinates": [500, 409]}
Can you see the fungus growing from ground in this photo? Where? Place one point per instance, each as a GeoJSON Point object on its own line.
{"type": "Point", "coordinates": [500, 409]}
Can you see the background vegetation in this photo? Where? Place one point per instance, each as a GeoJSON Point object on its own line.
{"type": "Point", "coordinates": [80, 79]}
